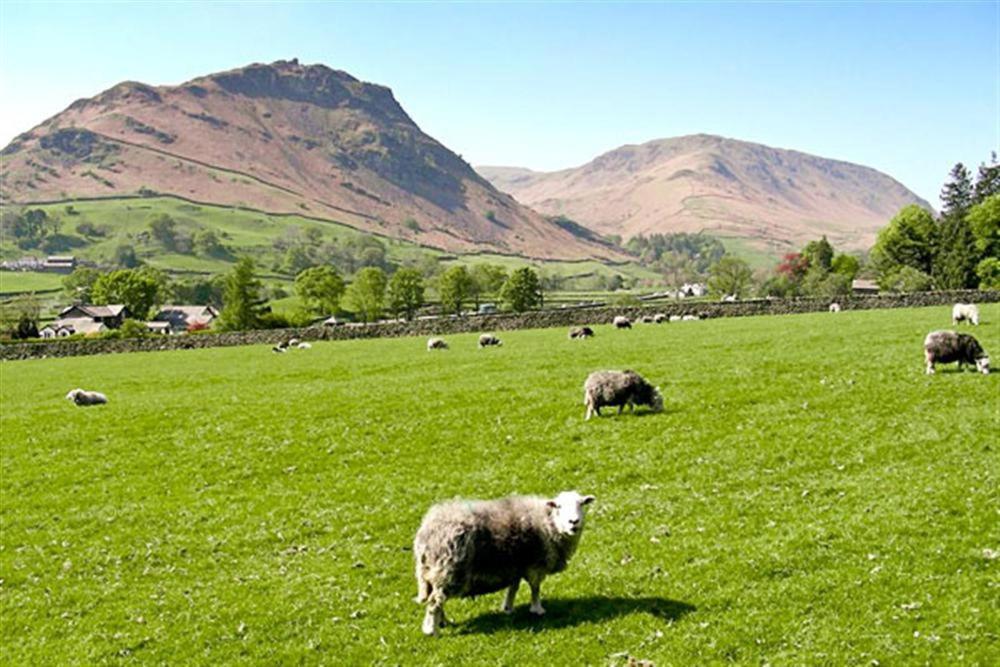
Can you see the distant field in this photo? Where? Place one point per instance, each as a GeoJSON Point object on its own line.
{"type": "Point", "coordinates": [808, 496]}
{"type": "Point", "coordinates": [16, 282]}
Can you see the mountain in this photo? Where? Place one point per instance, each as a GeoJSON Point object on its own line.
{"type": "Point", "coordinates": [280, 138]}
{"type": "Point", "coordinates": [773, 198]}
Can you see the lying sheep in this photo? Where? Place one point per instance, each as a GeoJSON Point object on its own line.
{"type": "Point", "coordinates": [943, 347]}
{"type": "Point", "coordinates": [304, 346]}
{"type": "Point", "coordinates": [965, 311]}
{"type": "Point", "coordinates": [436, 344]}
{"type": "Point", "coordinates": [581, 332]}
{"type": "Point", "coordinates": [689, 318]}
{"type": "Point", "coordinates": [84, 398]}
{"type": "Point", "coordinates": [646, 319]}
{"type": "Point", "coordinates": [834, 307]}
{"type": "Point", "coordinates": [620, 388]}
{"type": "Point", "coordinates": [622, 322]}
{"type": "Point", "coordinates": [675, 318]}
{"type": "Point", "coordinates": [660, 318]}
{"type": "Point", "coordinates": [469, 548]}
{"type": "Point", "coordinates": [279, 349]}
{"type": "Point", "coordinates": [489, 340]}
{"type": "Point", "coordinates": [294, 342]}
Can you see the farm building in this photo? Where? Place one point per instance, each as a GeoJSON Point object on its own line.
{"type": "Point", "coordinates": [59, 264]}
{"type": "Point", "coordinates": [85, 319]}
{"type": "Point", "coordinates": [864, 287]}
{"type": "Point", "coordinates": [182, 318]}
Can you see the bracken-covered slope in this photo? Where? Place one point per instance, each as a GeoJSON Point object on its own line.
{"type": "Point", "coordinates": [279, 138]}
{"type": "Point", "coordinates": [772, 197]}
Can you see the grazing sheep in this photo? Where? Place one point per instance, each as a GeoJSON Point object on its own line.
{"type": "Point", "coordinates": [965, 311]}
{"type": "Point", "coordinates": [622, 322]}
{"type": "Point", "coordinates": [689, 318]}
{"type": "Point", "coordinates": [489, 340]}
{"type": "Point", "coordinates": [943, 347]}
{"type": "Point", "coordinates": [675, 318]}
{"type": "Point", "coordinates": [436, 344]}
{"type": "Point", "coordinates": [660, 318]}
{"type": "Point", "coordinates": [581, 332]}
{"type": "Point", "coordinates": [294, 342]}
{"type": "Point", "coordinates": [729, 298]}
{"type": "Point", "coordinates": [304, 346]}
{"type": "Point", "coordinates": [83, 398]}
{"type": "Point", "coordinates": [834, 307]}
{"type": "Point", "coordinates": [468, 548]}
{"type": "Point", "coordinates": [619, 388]}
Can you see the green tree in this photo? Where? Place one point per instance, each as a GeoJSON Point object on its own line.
{"type": "Point", "coordinates": [20, 316]}
{"type": "Point", "coordinates": [366, 294]}
{"type": "Point", "coordinates": [243, 303]}
{"type": "Point", "coordinates": [956, 195]}
{"type": "Point", "coordinates": [200, 291]}
{"type": "Point", "coordinates": [988, 181]}
{"type": "Point", "coordinates": [297, 259]}
{"type": "Point", "coordinates": [206, 242]}
{"type": "Point", "coordinates": [905, 279]}
{"type": "Point", "coordinates": [164, 230]}
{"type": "Point", "coordinates": [846, 265]}
{"type": "Point", "coordinates": [79, 284]}
{"type": "Point", "coordinates": [522, 291]}
{"type": "Point", "coordinates": [320, 288]}
{"type": "Point", "coordinates": [819, 254]}
{"type": "Point", "coordinates": [955, 257]}
{"type": "Point", "coordinates": [988, 272]}
{"type": "Point", "coordinates": [31, 227]}
{"type": "Point", "coordinates": [132, 328]}
{"type": "Point", "coordinates": [406, 292]}
{"type": "Point", "coordinates": [908, 240]}
{"type": "Point", "coordinates": [984, 221]}
{"type": "Point", "coordinates": [137, 289]}
{"type": "Point", "coordinates": [125, 256]}
{"type": "Point", "coordinates": [730, 275]}
{"type": "Point", "coordinates": [487, 279]}
{"type": "Point", "coordinates": [454, 289]}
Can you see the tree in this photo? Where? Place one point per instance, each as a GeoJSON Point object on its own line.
{"type": "Point", "coordinates": [406, 292]}
{"type": "Point", "coordinates": [984, 222]}
{"type": "Point", "coordinates": [819, 254]}
{"type": "Point", "coordinates": [125, 257]}
{"type": "Point", "coordinates": [955, 257]}
{"type": "Point", "coordinates": [79, 284]}
{"type": "Point", "coordinates": [296, 260]}
{"type": "Point", "coordinates": [522, 291]}
{"type": "Point", "coordinates": [366, 293]}
{"type": "Point", "coordinates": [201, 291]}
{"type": "Point", "coordinates": [164, 230]}
{"type": "Point", "coordinates": [206, 242]}
{"type": "Point", "coordinates": [137, 289]}
{"type": "Point", "coordinates": [988, 272]}
{"type": "Point", "coordinates": [320, 288]}
{"type": "Point", "coordinates": [730, 275]}
{"type": "Point", "coordinates": [21, 315]}
{"type": "Point", "coordinates": [988, 180]}
{"type": "Point", "coordinates": [956, 195]}
{"type": "Point", "coordinates": [908, 240]}
{"type": "Point", "coordinates": [454, 288]}
{"type": "Point", "coordinates": [32, 226]}
{"type": "Point", "coordinates": [905, 279]}
{"type": "Point", "coordinates": [487, 279]}
{"type": "Point", "coordinates": [846, 265]}
{"type": "Point", "coordinates": [243, 303]}
{"type": "Point", "coordinates": [793, 266]}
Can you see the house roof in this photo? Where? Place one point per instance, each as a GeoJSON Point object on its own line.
{"type": "Point", "coordinates": [84, 325]}
{"type": "Point", "coordinates": [864, 284]}
{"type": "Point", "coordinates": [110, 310]}
{"type": "Point", "coordinates": [188, 311]}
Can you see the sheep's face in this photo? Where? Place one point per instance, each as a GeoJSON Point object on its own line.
{"type": "Point", "coordinates": [568, 509]}
{"type": "Point", "coordinates": [983, 365]}
{"type": "Point", "coordinates": [71, 396]}
{"type": "Point", "coordinates": [657, 403]}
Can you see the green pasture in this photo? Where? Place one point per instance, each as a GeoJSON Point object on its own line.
{"type": "Point", "coordinates": [808, 496]}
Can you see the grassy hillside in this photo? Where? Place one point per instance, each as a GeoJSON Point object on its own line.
{"type": "Point", "coordinates": [808, 496]}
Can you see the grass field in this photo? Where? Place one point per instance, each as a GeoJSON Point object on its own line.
{"type": "Point", "coordinates": [808, 496]}
{"type": "Point", "coordinates": [18, 282]}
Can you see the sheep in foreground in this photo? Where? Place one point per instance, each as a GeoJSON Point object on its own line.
{"type": "Point", "coordinates": [834, 307]}
{"type": "Point", "coordinates": [436, 344]}
{"type": "Point", "coordinates": [581, 332]}
{"type": "Point", "coordinates": [621, 388]}
{"type": "Point", "coordinates": [469, 548]}
{"type": "Point", "coordinates": [489, 340]}
{"type": "Point", "coordinates": [622, 322]}
{"type": "Point", "coordinates": [943, 347]}
{"type": "Point", "coordinates": [965, 311]}
{"type": "Point", "coordinates": [83, 398]}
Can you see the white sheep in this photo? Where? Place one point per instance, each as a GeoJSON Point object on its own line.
{"type": "Point", "coordinates": [467, 548]}
{"type": "Point", "coordinates": [834, 307]}
{"type": "Point", "coordinates": [675, 318]}
{"type": "Point", "coordinates": [436, 344]}
{"type": "Point", "coordinates": [965, 311]}
{"type": "Point", "coordinates": [489, 340]}
{"type": "Point", "coordinates": [294, 342]}
{"type": "Point", "coordinates": [659, 318]}
{"type": "Point", "coordinates": [304, 346]}
{"type": "Point", "coordinates": [689, 318]}
{"type": "Point", "coordinates": [622, 322]}
{"type": "Point", "coordinates": [84, 398]}
{"type": "Point", "coordinates": [279, 349]}
{"type": "Point", "coordinates": [619, 388]}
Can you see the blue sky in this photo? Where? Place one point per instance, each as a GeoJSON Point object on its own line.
{"type": "Point", "coordinates": [907, 88]}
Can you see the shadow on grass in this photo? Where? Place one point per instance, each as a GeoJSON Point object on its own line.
{"type": "Point", "coordinates": [576, 611]}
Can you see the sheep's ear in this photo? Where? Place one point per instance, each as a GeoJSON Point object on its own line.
{"type": "Point", "coordinates": [553, 504]}
{"type": "Point", "coordinates": [587, 500]}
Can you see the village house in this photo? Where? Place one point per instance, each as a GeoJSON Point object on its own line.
{"type": "Point", "coordinates": [85, 319]}
{"type": "Point", "coordinates": [180, 319]}
{"type": "Point", "coordinates": [864, 287]}
{"type": "Point", "coordinates": [59, 264]}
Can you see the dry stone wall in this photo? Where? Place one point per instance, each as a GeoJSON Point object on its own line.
{"type": "Point", "coordinates": [566, 317]}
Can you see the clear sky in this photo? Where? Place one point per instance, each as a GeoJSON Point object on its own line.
{"type": "Point", "coordinates": [908, 88]}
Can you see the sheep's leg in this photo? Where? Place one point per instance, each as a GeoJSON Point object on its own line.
{"type": "Point", "coordinates": [621, 407]}
{"type": "Point", "coordinates": [535, 582]}
{"type": "Point", "coordinates": [434, 615]}
{"type": "Point", "coordinates": [508, 603]}
{"type": "Point", "coordinates": [930, 363]}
